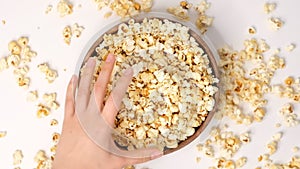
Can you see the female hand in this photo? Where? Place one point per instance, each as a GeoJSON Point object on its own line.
{"type": "Point", "coordinates": [76, 149]}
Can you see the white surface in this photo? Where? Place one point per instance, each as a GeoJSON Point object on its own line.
{"type": "Point", "coordinates": [232, 18]}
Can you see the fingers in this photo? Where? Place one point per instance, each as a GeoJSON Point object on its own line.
{"type": "Point", "coordinates": [114, 101]}
{"type": "Point", "coordinates": [102, 81]}
{"type": "Point", "coordinates": [85, 82]}
{"type": "Point", "coordinates": [70, 97]}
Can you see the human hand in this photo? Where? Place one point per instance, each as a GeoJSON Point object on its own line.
{"type": "Point", "coordinates": [76, 149]}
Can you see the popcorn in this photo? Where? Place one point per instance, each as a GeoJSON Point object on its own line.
{"type": "Point", "coordinates": [252, 30]}
{"type": "Point", "coordinates": [64, 8]}
{"type": "Point", "coordinates": [157, 83]}
{"type": "Point", "coordinates": [203, 22]}
{"type": "Point", "coordinates": [295, 149]}
{"type": "Point", "coordinates": [2, 134]}
{"type": "Point", "coordinates": [14, 48]}
{"type": "Point", "coordinates": [3, 64]}
{"type": "Point", "coordinates": [276, 23]}
{"type": "Point", "coordinates": [241, 162]}
{"type": "Point", "coordinates": [23, 81]}
{"type": "Point", "coordinates": [198, 159]}
{"type": "Point", "coordinates": [76, 30]}
{"type": "Point", "coordinates": [42, 111]}
{"type": "Point", "coordinates": [48, 9]}
{"type": "Point", "coordinates": [32, 96]}
{"type": "Point", "coordinates": [13, 60]}
{"type": "Point", "coordinates": [290, 47]}
{"type": "Point", "coordinates": [53, 122]}
{"type": "Point", "coordinates": [185, 5]}
{"type": "Point", "coordinates": [288, 115]}
{"type": "Point", "coordinates": [17, 157]}
{"type": "Point", "coordinates": [179, 12]}
{"type": "Point", "coordinates": [70, 31]}
{"type": "Point", "coordinates": [102, 3]}
{"type": "Point", "coordinates": [49, 73]}
{"type": "Point", "coordinates": [42, 160]}
{"type": "Point", "coordinates": [126, 8]}
{"type": "Point", "coordinates": [55, 137]}
{"type": "Point", "coordinates": [269, 7]}
{"type": "Point", "coordinates": [67, 34]}
{"type": "Point", "coordinates": [50, 100]}
{"type": "Point", "coordinates": [202, 7]}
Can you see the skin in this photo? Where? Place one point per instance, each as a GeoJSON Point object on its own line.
{"type": "Point", "coordinates": [76, 149]}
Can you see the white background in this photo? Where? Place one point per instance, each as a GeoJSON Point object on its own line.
{"type": "Point", "coordinates": [232, 19]}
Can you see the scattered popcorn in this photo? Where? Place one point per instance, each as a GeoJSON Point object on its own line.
{"type": "Point", "coordinates": [277, 125]}
{"type": "Point", "coordinates": [289, 117]}
{"type": "Point", "coordinates": [55, 137]}
{"type": "Point", "coordinates": [289, 81]}
{"type": "Point", "coordinates": [224, 143]}
{"type": "Point", "coordinates": [53, 122]}
{"type": "Point", "coordinates": [252, 30]}
{"type": "Point", "coordinates": [32, 96]}
{"type": "Point", "coordinates": [245, 138]}
{"type": "Point", "coordinates": [76, 30]}
{"type": "Point", "coordinates": [42, 160]}
{"type": "Point", "coordinates": [180, 12]}
{"type": "Point", "coordinates": [269, 7]}
{"type": "Point", "coordinates": [3, 64]}
{"type": "Point", "coordinates": [241, 162]}
{"type": "Point", "coordinates": [42, 111]}
{"type": "Point", "coordinates": [246, 86]}
{"type": "Point", "coordinates": [67, 34]}
{"type": "Point", "coordinates": [126, 8]}
{"type": "Point", "coordinates": [14, 48]}
{"type": "Point", "coordinates": [276, 23]}
{"type": "Point", "coordinates": [64, 7]}
{"type": "Point", "coordinates": [49, 73]}
{"type": "Point", "coordinates": [13, 60]}
{"type": "Point", "coordinates": [295, 149]}
{"type": "Point", "coordinates": [290, 47]}
{"type": "Point", "coordinates": [2, 134]}
{"type": "Point", "coordinates": [23, 82]}
{"type": "Point", "coordinates": [198, 159]}
{"type": "Point", "coordinates": [102, 3]}
{"type": "Point", "coordinates": [70, 31]}
{"type": "Point", "coordinates": [50, 100]}
{"type": "Point", "coordinates": [203, 22]}
{"type": "Point", "coordinates": [157, 84]}
{"type": "Point", "coordinates": [3, 22]}
{"type": "Point", "coordinates": [272, 145]}
{"type": "Point", "coordinates": [17, 157]}
{"type": "Point", "coordinates": [202, 7]}
{"type": "Point", "coordinates": [277, 136]}
{"type": "Point", "coordinates": [48, 9]}
{"type": "Point", "coordinates": [185, 4]}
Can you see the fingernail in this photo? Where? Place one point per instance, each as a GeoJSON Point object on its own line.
{"type": "Point", "coordinates": [90, 62]}
{"type": "Point", "coordinates": [109, 58]}
{"type": "Point", "coordinates": [156, 154]}
{"type": "Point", "coordinates": [128, 72]}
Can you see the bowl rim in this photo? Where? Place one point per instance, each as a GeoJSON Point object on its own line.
{"type": "Point", "coordinates": [203, 41]}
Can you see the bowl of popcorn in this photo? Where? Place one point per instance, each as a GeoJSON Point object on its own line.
{"type": "Point", "coordinates": [174, 89]}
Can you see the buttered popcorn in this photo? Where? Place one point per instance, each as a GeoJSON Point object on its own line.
{"type": "Point", "coordinates": [173, 87]}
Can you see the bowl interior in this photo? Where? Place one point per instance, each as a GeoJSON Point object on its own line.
{"type": "Point", "coordinates": [209, 50]}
